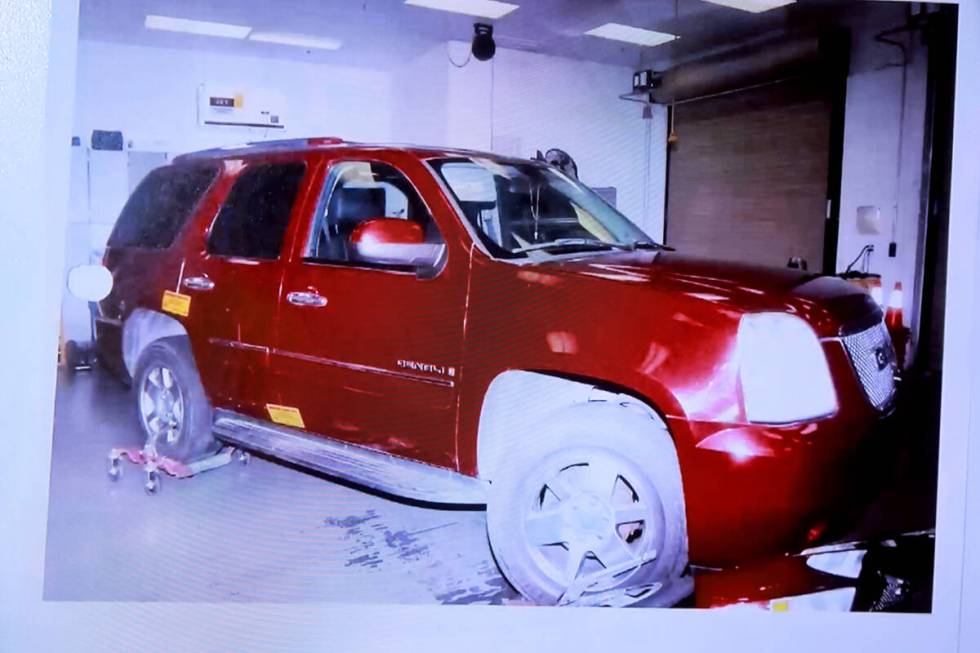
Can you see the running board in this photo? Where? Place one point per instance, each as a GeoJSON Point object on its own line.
{"type": "Point", "coordinates": [374, 469]}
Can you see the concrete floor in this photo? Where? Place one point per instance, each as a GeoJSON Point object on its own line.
{"type": "Point", "coordinates": [262, 532]}
{"type": "Point", "coordinates": [268, 532]}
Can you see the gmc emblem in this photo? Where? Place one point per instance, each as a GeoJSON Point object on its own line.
{"type": "Point", "coordinates": [882, 357]}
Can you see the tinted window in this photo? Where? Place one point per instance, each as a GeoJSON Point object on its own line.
{"type": "Point", "coordinates": [519, 207]}
{"type": "Point", "coordinates": [359, 191]}
{"type": "Point", "coordinates": [160, 206]}
{"type": "Point", "coordinates": [253, 220]}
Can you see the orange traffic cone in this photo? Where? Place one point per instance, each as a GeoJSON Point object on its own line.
{"type": "Point", "coordinates": [893, 316]}
{"type": "Point", "coordinates": [895, 323]}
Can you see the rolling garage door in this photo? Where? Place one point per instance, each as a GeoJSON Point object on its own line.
{"type": "Point", "coordinates": [748, 176]}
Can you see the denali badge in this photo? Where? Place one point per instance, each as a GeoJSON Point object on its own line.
{"type": "Point", "coordinates": [427, 367]}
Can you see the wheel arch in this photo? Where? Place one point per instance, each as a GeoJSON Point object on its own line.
{"type": "Point", "coordinates": [142, 328]}
{"type": "Point", "coordinates": [517, 399]}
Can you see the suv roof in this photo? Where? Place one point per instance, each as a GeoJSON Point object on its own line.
{"type": "Point", "coordinates": [258, 148]}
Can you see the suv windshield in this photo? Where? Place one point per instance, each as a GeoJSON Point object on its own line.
{"type": "Point", "coordinates": [521, 207]}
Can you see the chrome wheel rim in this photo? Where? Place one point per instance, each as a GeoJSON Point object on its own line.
{"type": "Point", "coordinates": [161, 406]}
{"type": "Point", "coordinates": [588, 528]}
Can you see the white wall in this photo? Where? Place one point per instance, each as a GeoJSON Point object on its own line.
{"type": "Point", "coordinates": [516, 104]}
{"type": "Point", "coordinates": [150, 94]}
{"type": "Point", "coordinates": [871, 157]}
{"type": "Point", "coordinates": [521, 102]}
{"type": "Point", "coordinates": [419, 111]}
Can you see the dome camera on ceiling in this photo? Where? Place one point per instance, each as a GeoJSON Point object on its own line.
{"type": "Point", "coordinates": [483, 46]}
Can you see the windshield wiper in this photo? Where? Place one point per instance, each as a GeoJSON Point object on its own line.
{"type": "Point", "coordinates": [573, 242]}
{"type": "Point", "coordinates": [649, 244]}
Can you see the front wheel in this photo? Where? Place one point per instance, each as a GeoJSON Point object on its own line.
{"type": "Point", "coordinates": [591, 511]}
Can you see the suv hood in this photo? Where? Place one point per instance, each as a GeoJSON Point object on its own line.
{"type": "Point", "coordinates": [831, 304]}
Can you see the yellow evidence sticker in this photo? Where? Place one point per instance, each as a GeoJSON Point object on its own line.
{"type": "Point", "coordinates": [285, 415]}
{"type": "Point", "coordinates": [176, 303]}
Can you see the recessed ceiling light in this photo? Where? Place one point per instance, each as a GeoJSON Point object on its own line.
{"type": "Point", "coordinates": [628, 34]}
{"type": "Point", "coordinates": [482, 8]}
{"type": "Point", "coordinates": [754, 6]}
{"type": "Point", "coordinates": [200, 27]}
{"type": "Point", "coordinates": [299, 40]}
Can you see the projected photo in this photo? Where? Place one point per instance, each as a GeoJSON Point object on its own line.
{"type": "Point", "coordinates": [627, 304]}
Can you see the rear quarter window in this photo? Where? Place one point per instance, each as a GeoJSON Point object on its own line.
{"type": "Point", "coordinates": [253, 220]}
{"type": "Point", "coordinates": [160, 206]}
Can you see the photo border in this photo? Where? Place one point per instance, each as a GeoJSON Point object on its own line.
{"type": "Point", "coordinates": [39, 40]}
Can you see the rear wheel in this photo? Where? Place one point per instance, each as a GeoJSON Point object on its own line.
{"type": "Point", "coordinates": [591, 511]}
{"type": "Point", "coordinates": [172, 406]}
{"type": "Point", "coordinates": [72, 356]}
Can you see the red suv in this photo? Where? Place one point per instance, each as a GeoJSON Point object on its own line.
{"type": "Point", "coordinates": [455, 327]}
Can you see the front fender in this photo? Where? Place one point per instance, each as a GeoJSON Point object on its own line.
{"type": "Point", "coordinates": [517, 400]}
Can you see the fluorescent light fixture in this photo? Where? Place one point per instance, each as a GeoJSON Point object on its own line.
{"type": "Point", "coordinates": [628, 34]}
{"type": "Point", "coordinates": [753, 6]}
{"type": "Point", "coordinates": [199, 27]}
{"type": "Point", "coordinates": [299, 40]}
{"type": "Point", "coordinates": [482, 8]}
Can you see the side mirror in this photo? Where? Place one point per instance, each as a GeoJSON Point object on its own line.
{"type": "Point", "coordinates": [394, 241]}
{"type": "Point", "coordinates": [90, 283]}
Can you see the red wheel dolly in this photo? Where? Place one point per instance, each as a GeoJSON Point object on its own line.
{"type": "Point", "coordinates": [152, 464]}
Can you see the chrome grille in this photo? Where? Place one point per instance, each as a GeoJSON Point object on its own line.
{"type": "Point", "coordinates": [873, 357]}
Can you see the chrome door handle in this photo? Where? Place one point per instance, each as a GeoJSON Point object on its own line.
{"type": "Point", "coordinates": [198, 283]}
{"type": "Point", "coordinates": [306, 299]}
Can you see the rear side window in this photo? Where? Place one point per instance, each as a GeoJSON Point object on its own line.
{"type": "Point", "coordinates": [160, 206]}
{"type": "Point", "coordinates": [252, 223]}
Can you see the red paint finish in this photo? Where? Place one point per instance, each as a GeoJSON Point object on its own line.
{"type": "Point", "coordinates": [388, 231]}
{"type": "Point", "coordinates": [762, 582]}
{"type": "Point", "coordinates": [378, 364]}
{"type": "Point", "coordinates": [232, 324]}
{"type": "Point", "coordinates": [401, 361]}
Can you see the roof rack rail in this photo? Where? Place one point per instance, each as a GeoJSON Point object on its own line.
{"type": "Point", "coordinates": [263, 146]}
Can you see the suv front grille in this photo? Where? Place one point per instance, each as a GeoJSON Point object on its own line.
{"type": "Point", "coordinates": [873, 357]}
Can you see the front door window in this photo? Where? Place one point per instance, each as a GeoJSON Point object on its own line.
{"type": "Point", "coordinates": [358, 191]}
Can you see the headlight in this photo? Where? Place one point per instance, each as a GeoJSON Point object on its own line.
{"type": "Point", "coordinates": [784, 372]}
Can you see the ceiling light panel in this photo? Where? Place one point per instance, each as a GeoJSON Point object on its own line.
{"type": "Point", "coordinates": [298, 40]}
{"type": "Point", "coordinates": [199, 27]}
{"type": "Point", "coordinates": [491, 9]}
{"type": "Point", "coordinates": [629, 34]}
{"type": "Point", "coordinates": [753, 6]}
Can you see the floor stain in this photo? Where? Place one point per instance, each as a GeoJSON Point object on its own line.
{"type": "Point", "coordinates": [372, 560]}
{"type": "Point", "coordinates": [495, 591]}
{"type": "Point", "coordinates": [351, 521]}
{"type": "Point", "coordinates": [372, 543]}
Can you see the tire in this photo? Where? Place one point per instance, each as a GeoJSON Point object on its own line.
{"type": "Point", "coordinates": [599, 483]}
{"type": "Point", "coordinates": [178, 424]}
{"type": "Point", "coordinates": [71, 356]}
